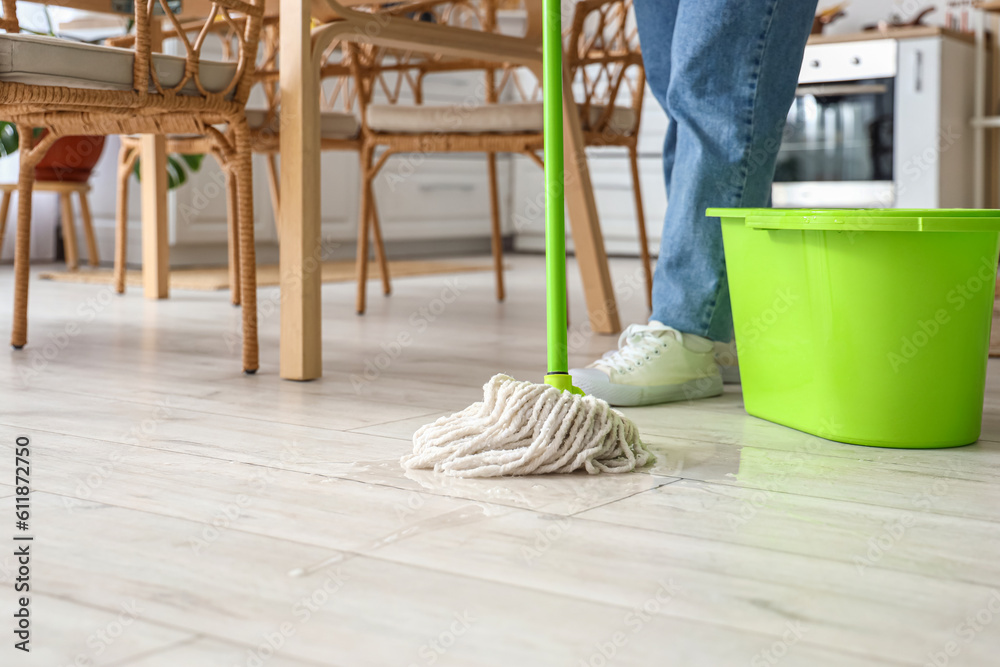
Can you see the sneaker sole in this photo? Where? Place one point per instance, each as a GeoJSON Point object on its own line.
{"type": "Point", "coordinates": [623, 395]}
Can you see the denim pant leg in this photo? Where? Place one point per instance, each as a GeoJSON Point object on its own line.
{"type": "Point", "coordinates": [655, 20]}
{"type": "Point", "coordinates": [732, 69]}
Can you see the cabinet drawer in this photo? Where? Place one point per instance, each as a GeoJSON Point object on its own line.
{"type": "Point", "coordinates": [415, 189]}
{"type": "Point", "coordinates": [612, 182]}
{"type": "Point", "coordinates": [850, 61]}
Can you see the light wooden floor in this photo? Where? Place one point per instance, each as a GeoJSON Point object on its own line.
{"type": "Point", "coordinates": [187, 515]}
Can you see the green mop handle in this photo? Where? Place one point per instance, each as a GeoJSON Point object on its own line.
{"type": "Point", "coordinates": [555, 223]}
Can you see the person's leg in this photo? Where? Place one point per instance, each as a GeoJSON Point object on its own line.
{"type": "Point", "coordinates": [725, 76]}
{"type": "Point", "coordinates": [733, 69]}
{"type": "Point", "coordinates": [656, 20]}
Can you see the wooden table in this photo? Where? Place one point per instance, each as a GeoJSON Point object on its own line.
{"type": "Point", "coordinates": [301, 251]}
{"type": "Point", "coordinates": [155, 221]}
{"type": "Point", "coordinates": [301, 335]}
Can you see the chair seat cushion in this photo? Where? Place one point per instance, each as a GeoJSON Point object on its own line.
{"type": "Point", "coordinates": [332, 124]}
{"type": "Point", "coordinates": [50, 61]}
{"type": "Point", "coordinates": [487, 118]}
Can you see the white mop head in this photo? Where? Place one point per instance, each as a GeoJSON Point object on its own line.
{"type": "Point", "coordinates": [523, 428]}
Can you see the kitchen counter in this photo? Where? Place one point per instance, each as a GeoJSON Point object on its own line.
{"type": "Point", "coordinates": [893, 33]}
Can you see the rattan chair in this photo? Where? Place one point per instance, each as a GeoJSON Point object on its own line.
{"type": "Point", "coordinates": [603, 58]}
{"type": "Point", "coordinates": [70, 88]}
{"type": "Point", "coordinates": [195, 144]}
{"type": "Point", "coordinates": [339, 128]}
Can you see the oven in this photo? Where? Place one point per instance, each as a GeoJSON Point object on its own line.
{"type": "Point", "coordinates": [838, 143]}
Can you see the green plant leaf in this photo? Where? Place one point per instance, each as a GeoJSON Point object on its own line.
{"type": "Point", "coordinates": [176, 173]}
{"type": "Point", "coordinates": [178, 168]}
{"type": "Point", "coordinates": [8, 138]}
{"type": "Point", "coordinates": [193, 161]}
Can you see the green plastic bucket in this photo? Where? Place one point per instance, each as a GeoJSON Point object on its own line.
{"type": "Point", "coordinates": [865, 326]}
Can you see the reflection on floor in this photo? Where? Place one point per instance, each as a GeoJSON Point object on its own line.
{"type": "Point", "coordinates": [187, 515]}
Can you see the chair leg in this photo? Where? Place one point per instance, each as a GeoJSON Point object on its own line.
{"type": "Point", "coordinates": [364, 220]}
{"type": "Point", "coordinates": [69, 232]}
{"type": "Point", "coordinates": [497, 236]}
{"type": "Point", "coordinates": [126, 161]}
{"type": "Point", "coordinates": [383, 263]}
{"type": "Point", "coordinates": [232, 213]}
{"type": "Point", "coordinates": [93, 256]}
{"type": "Point", "coordinates": [640, 216]}
{"type": "Point", "coordinates": [29, 157]}
{"type": "Point", "coordinates": [22, 250]}
{"type": "Point", "coordinates": [242, 167]}
{"type": "Point", "coordinates": [274, 183]}
{"type": "Point", "coordinates": [4, 210]}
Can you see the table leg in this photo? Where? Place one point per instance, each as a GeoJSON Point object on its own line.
{"type": "Point", "coordinates": [588, 241]}
{"type": "Point", "coordinates": [301, 349]}
{"type": "Point", "coordinates": [155, 240]}
{"type": "Point", "coordinates": [155, 221]}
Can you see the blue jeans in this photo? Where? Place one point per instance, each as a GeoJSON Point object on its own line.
{"type": "Point", "coordinates": [725, 73]}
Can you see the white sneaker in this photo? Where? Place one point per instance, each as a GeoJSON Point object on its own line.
{"type": "Point", "coordinates": [729, 364]}
{"type": "Point", "coordinates": [654, 363]}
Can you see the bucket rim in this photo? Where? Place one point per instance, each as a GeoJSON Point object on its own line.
{"type": "Point", "coordinates": [866, 219]}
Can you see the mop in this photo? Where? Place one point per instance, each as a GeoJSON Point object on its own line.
{"type": "Point", "coordinates": [523, 428]}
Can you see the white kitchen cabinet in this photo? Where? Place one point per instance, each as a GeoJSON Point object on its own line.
{"type": "Point", "coordinates": [423, 201]}
{"type": "Point", "coordinates": [610, 175]}
{"type": "Point", "coordinates": [933, 142]}
{"type": "Point", "coordinates": [196, 213]}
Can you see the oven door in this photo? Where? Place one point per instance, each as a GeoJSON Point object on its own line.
{"type": "Point", "coordinates": [837, 146]}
